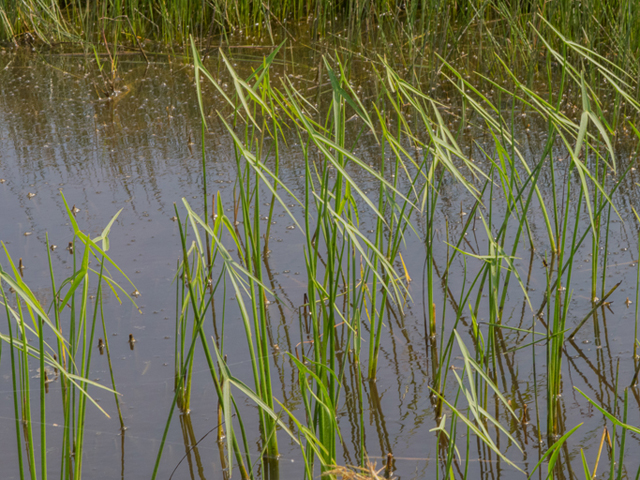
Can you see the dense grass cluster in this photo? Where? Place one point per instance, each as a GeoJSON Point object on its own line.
{"type": "Point", "coordinates": [427, 25]}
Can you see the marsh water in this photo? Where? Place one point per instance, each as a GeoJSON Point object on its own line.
{"type": "Point", "coordinates": [141, 153]}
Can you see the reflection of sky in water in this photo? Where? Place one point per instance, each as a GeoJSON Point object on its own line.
{"type": "Point", "coordinates": [135, 154]}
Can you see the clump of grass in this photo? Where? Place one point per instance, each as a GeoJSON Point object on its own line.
{"type": "Point", "coordinates": [68, 359]}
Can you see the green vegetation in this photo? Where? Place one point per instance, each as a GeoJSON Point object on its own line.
{"type": "Point", "coordinates": [428, 26]}
{"type": "Point", "coordinates": [356, 282]}
{"type": "Point", "coordinates": [74, 322]}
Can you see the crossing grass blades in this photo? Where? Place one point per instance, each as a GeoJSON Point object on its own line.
{"type": "Point", "coordinates": [356, 282]}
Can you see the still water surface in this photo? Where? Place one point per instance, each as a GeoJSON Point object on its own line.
{"type": "Point", "coordinates": [141, 153]}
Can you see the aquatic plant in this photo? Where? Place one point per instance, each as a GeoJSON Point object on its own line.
{"type": "Point", "coordinates": [74, 322]}
{"type": "Point", "coordinates": [357, 281]}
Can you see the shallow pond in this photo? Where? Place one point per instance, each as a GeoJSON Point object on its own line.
{"type": "Point", "coordinates": [142, 153]}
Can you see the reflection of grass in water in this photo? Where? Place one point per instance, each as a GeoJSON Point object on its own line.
{"type": "Point", "coordinates": [356, 281]}
{"type": "Point", "coordinates": [73, 322]}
